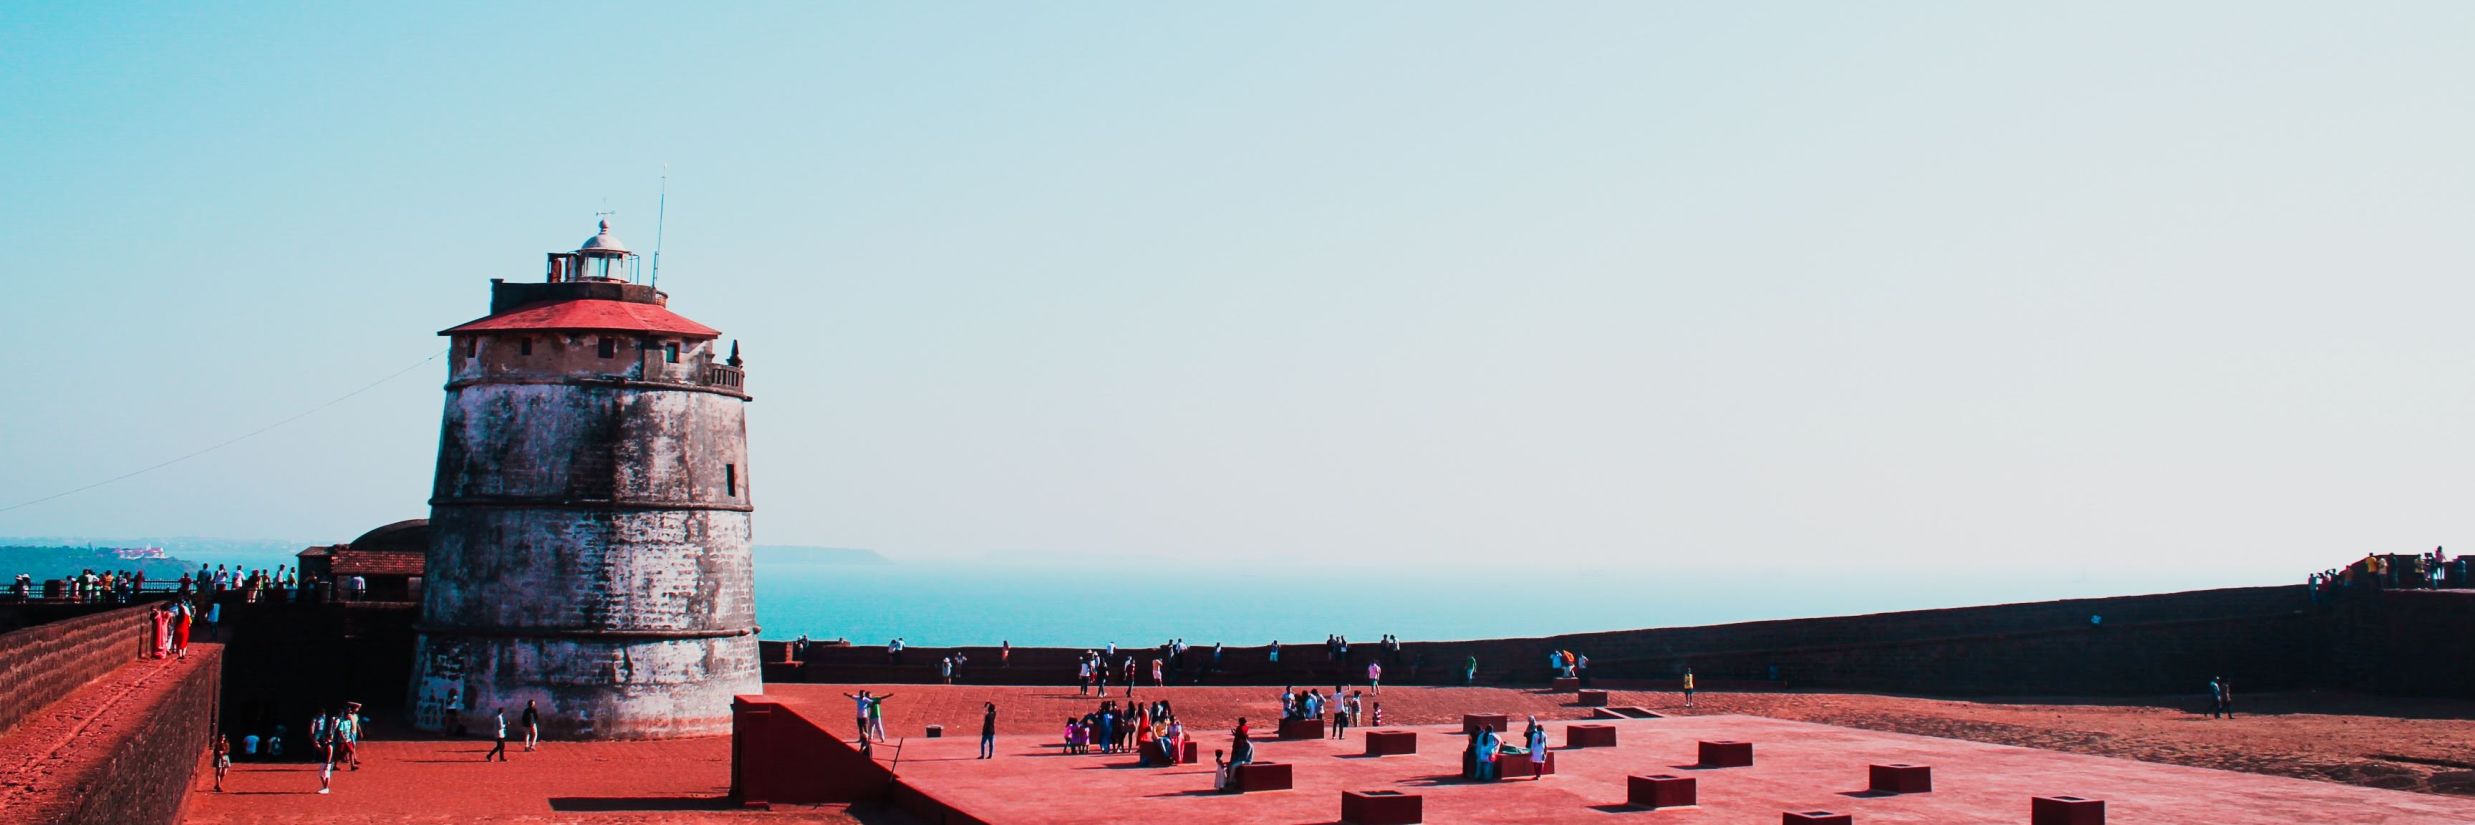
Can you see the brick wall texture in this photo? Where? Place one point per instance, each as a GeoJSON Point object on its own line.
{"type": "Point", "coordinates": [41, 664]}
{"type": "Point", "coordinates": [147, 776]}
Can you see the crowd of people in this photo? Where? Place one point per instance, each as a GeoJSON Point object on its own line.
{"type": "Point", "coordinates": [2392, 571]}
{"type": "Point", "coordinates": [89, 586]}
{"type": "Point", "coordinates": [1151, 732]}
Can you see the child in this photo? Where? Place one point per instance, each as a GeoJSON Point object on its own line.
{"type": "Point", "coordinates": [1220, 772]}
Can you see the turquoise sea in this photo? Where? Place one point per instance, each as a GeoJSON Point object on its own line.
{"type": "Point", "coordinates": [1149, 602]}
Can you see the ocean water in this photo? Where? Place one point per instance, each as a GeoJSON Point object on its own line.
{"type": "Point", "coordinates": [1149, 602]}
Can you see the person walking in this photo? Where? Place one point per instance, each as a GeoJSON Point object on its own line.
{"type": "Point", "coordinates": [988, 732]}
{"type": "Point", "coordinates": [501, 750]}
{"type": "Point", "coordinates": [532, 725]}
{"type": "Point", "coordinates": [1538, 749]}
{"type": "Point", "coordinates": [2225, 696]}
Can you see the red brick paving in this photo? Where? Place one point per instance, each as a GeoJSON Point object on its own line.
{"type": "Point", "coordinates": [1798, 766]}
{"type": "Point", "coordinates": [661, 781]}
{"type": "Point", "coordinates": [684, 780]}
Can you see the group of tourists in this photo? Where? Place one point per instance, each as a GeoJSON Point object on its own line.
{"type": "Point", "coordinates": [868, 715]}
{"type": "Point", "coordinates": [1151, 732]}
{"type": "Point", "coordinates": [170, 623]}
{"type": "Point", "coordinates": [2392, 571]}
{"type": "Point", "coordinates": [1091, 672]}
{"type": "Point", "coordinates": [1339, 711]}
{"type": "Point", "coordinates": [1487, 755]}
{"type": "Point", "coordinates": [1566, 664]}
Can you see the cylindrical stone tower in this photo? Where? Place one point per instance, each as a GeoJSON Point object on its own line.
{"type": "Point", "coordinates": [590, 518]}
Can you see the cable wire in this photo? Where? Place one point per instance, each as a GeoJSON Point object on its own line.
{"type": "Point", "coordinates": [235, 439]}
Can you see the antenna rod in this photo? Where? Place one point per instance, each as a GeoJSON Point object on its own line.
{"type": "Point", "coordinates": [660, 211]}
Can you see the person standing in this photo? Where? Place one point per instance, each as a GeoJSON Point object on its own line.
{"type": "Point", "coordinates": [876, 715]}
{"type": "Point", "coordinates": [453, 725]}
{"type": "Point", "coordinates": [223, 759]}
{"type": "Point", "coordinates": [500, 750]}
{"type": "Point", "coordinates": [347, 735]}
{"type": "Point", "coordinates": [1375, 677]}
{"type": "Point", "coordinates": [532, 725]}
{"type": "Point", "coordinates": [1688, 687]}
{"type": "Point", "coordinates": [1469, 672]}
{"type": "Point", "coordinates": [859, 712]}
{"type": "Point", "coordinates": [1538, 749]}
{"type": "Point", "coordinates": [1005, 654]}
{"type": "Point", "coordinates": [988, 731]}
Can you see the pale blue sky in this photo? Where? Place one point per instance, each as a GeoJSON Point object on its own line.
{"type": "Point", "coordinates": [2113, 289]}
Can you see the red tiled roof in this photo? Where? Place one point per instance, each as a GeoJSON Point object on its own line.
{"type": "Point", "coordinates": [378, 562]}
{"type": "Point", "coordinates": [589, 314]}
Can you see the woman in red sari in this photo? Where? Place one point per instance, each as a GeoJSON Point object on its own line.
{"type": "Point", "coordinates": [180, 631]}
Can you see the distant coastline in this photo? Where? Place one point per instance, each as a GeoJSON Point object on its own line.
{"type": "Point", "coordinates": [800, 554]}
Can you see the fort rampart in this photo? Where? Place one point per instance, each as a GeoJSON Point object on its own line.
{"type": "Point", "coordinates": [2265, 638]}
{"type": "Point", "coordinates": [41, 664]}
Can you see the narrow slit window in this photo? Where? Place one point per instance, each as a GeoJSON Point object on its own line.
{"type": "Point", "coordinates": [670, 352]}
{"type": "Point", "coordinates": [472, 346]}
{"type": "Point", "coordinates": [524, 346]}
{"type": "Point", "coordinates": [730, 480]}
{"type": "Point", "coordinates": [610, 348]}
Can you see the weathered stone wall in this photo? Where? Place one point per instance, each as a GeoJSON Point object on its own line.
{"type": "Point", "coordinates": [41, 664]}
{"type": "Point", "coordinates": [590, 543]}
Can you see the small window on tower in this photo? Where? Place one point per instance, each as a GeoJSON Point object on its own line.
{"type": "Point", "coordinates": [670, 352]}
{"type": "Point", "coordinates": [610, 348]}
{"type": "Point", "coordinates": [472, 346]}
{"type": "Point", "coordinates": [730, 480]}
{"type": "Point", "coordinates": [524, 346]}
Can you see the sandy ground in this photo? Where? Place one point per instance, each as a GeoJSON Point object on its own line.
{"type": "Point", "coordinates": [2398, 744]}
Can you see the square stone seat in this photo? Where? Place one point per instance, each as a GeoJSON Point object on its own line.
{"type": "Point", "coordinates": [1262, 776]}
{"type": "Point", "coordinates": [1899, 778]}
{"type": "Point", "coordinates": [1816, 818]}
{"type": "Point", "coordinates": [1301, 729]}
{"type": "Point", "coordinates": [1517, 765]}
{"type": "Point", "coordinates": [1186, 755]}
{"type": "Point", "coordinates": [2065, 810]}
{"type": "Point", "coordinates": [1391, 742]}
{"type": "Point", "coordinates": [1590, 736]}
{"type": "Point", "coordinates": [1727, 754]}
{"type": "Point", "coordinates": [1661, 791]}
{"type": "Point", "coordinates": [1471, 721]}
{"type": "Point", "coordinates": [1566, 684]}
{"type": "Point", "coordinates": [1594, 698]}
{"type": "Point", "coordinates": [1382, 808]}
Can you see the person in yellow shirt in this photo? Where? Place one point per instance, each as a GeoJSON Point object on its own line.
{"type": "Point", "coordinates": [1688, 687]}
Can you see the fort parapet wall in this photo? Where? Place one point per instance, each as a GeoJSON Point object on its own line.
{"type": "Point", "coordinates": [44, 663]}
{"type": "Point", "coordinates": [2264, 638]}
{"type": "Point", "coordinates": [143, 772]}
